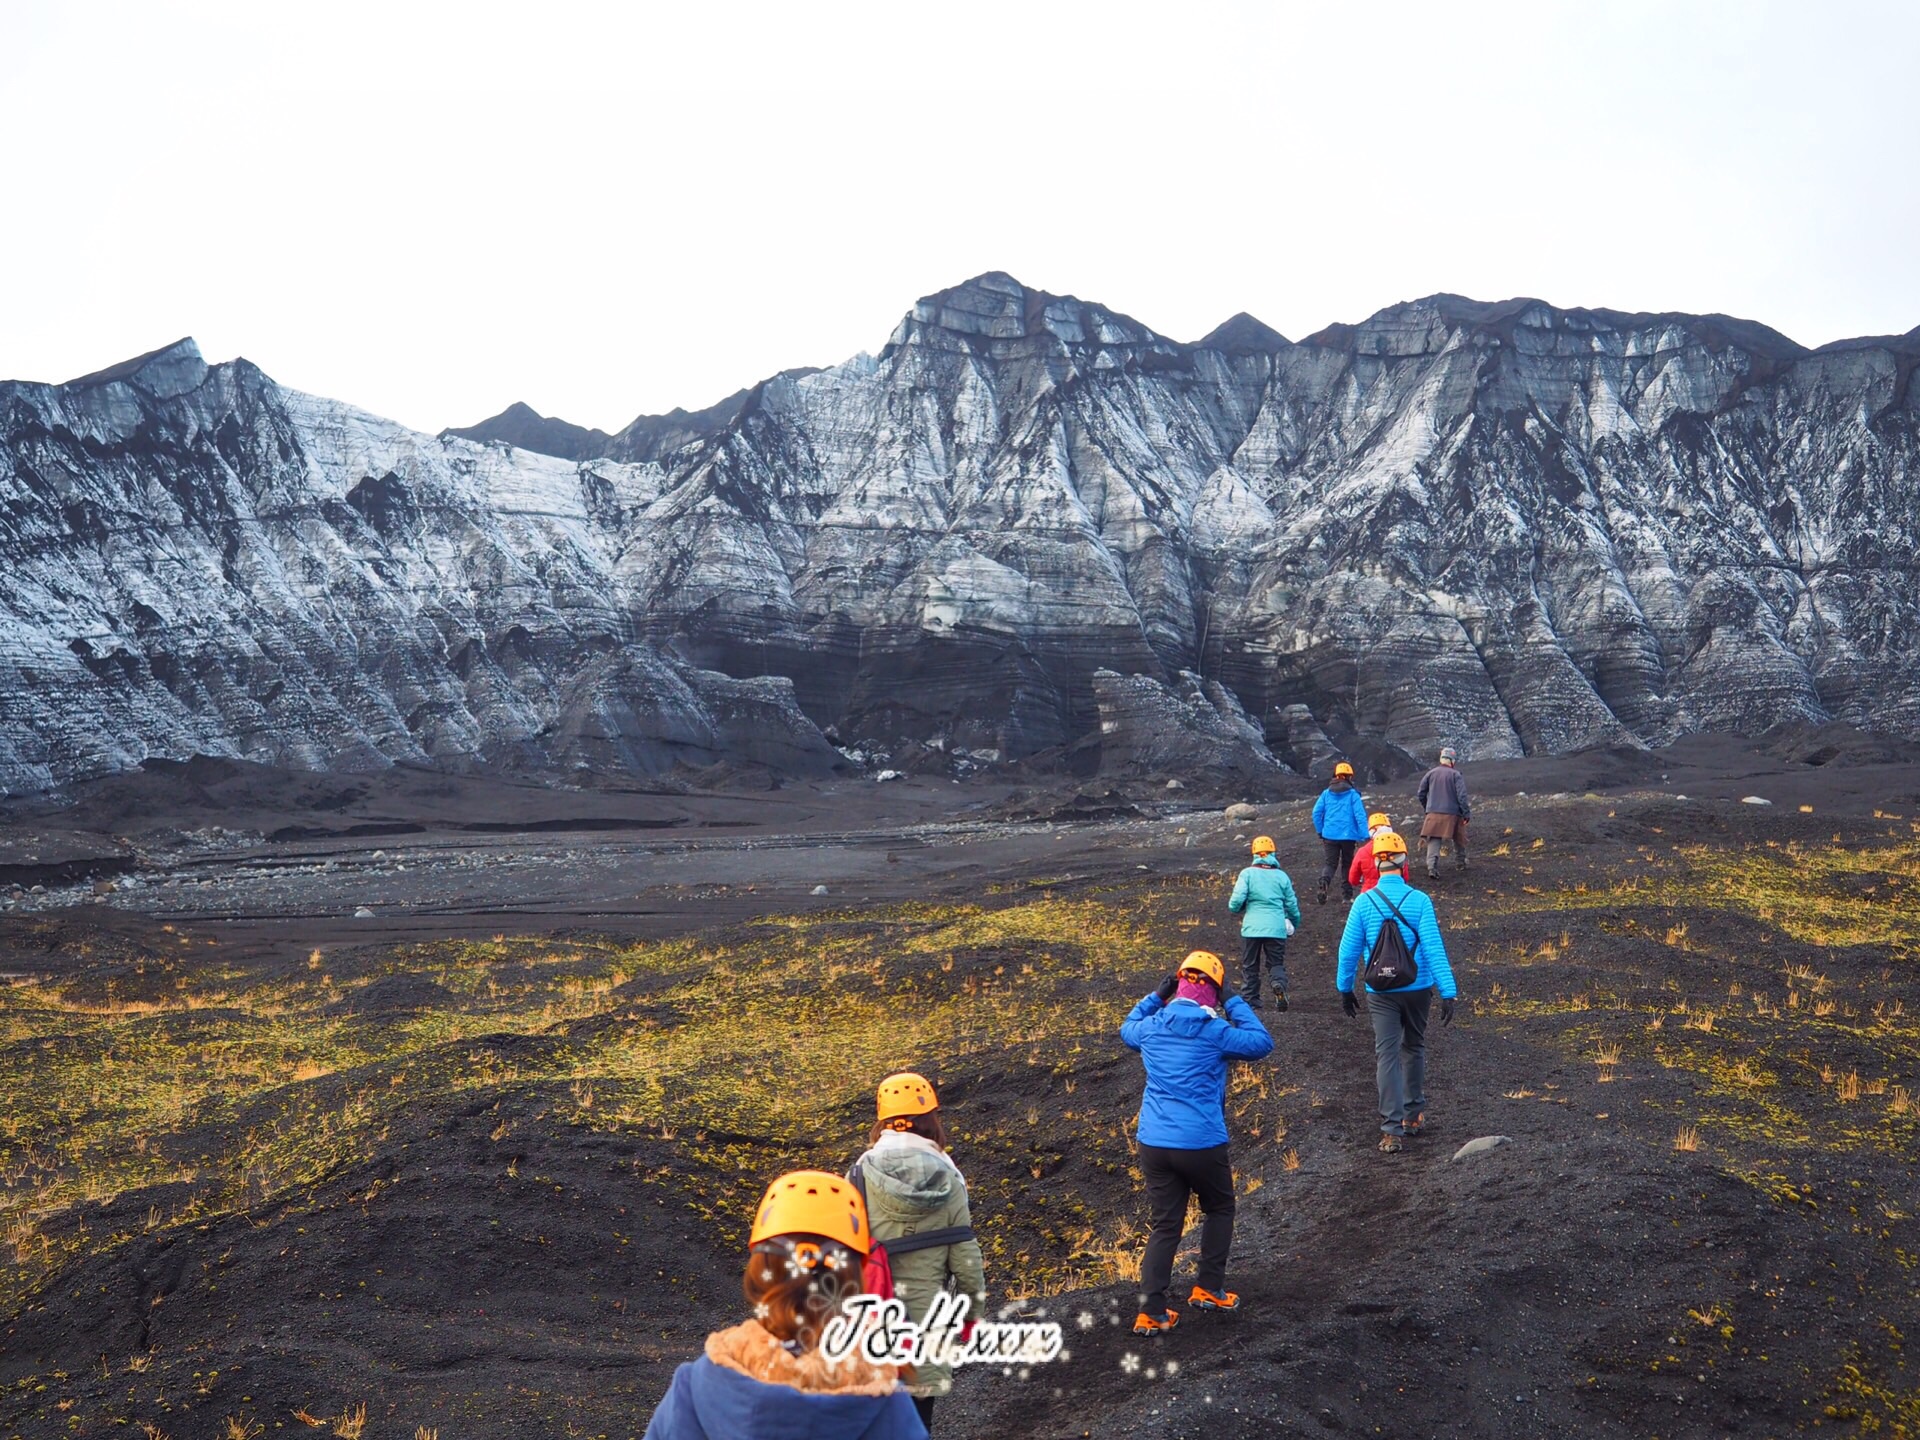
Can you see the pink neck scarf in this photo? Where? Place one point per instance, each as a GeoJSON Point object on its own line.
{"type": "Point", "coordinates": [1199, 991]}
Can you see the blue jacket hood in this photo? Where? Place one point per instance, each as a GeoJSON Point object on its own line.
{"type": "Point", "coordinates": [711, 1402]}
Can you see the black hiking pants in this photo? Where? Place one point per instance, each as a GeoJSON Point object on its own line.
{"type": "Point", "coordinates": [1171, 1176]}
{"type": "Point", "coordinates": [1400, 1054]}
{"type": "Point", "coordinates": [1256, 951]}
{"type": "Point", "coordinates": [1339, 859]}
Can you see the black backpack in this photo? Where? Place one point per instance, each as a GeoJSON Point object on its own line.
{"type": "Point", "coordinates": [1392, 966]}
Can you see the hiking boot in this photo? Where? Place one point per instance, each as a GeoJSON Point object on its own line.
{"type": "Point", "coordinates": [1253, 1002]}
{"type": "Point", "coordinates": [1433, 873]}
{"type": "Point", "coordinates": [1414, 1125]}
{"type": "Point", "coordinates": [1460, 861]}
{"type": "Point", "coordinates": [1279, 1001]}
{"type": "Point", "coordinates": [1349, 892]}
{"type": "Point", "coordinates": [1320, 896]}
{"type": "Point", "coordinates": [1202, 1299]}
{"type": "Point", "coordinates": [1390, 1145]}
{"type": "Point", "coordinates": [1145, 1324]}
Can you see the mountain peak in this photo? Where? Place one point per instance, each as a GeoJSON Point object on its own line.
{"type": "Point", "coordinates": [1245, 334]}
{"type": "Point", "coordinates": [1421, 326]}
{"type": "Point", "coordinates": [993, 306]}
{"type": "Point", "coordinates": [171, 370]}
{"type": "Point", "coordinates": [525, 428]}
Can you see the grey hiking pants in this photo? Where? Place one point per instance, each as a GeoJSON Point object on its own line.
{"type": "Point", "coordinates": [1400, 1054]}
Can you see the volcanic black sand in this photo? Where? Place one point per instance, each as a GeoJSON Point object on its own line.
{"type": "Point", "coordinates": [480, 1161]}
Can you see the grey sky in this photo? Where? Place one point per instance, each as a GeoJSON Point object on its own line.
{"type": "Point", "coordinates": [603, 211]}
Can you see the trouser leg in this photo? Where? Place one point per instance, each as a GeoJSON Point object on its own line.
{"type": "Point", "coordinates": [1460, 845]}
{"type": "Point", "coordinates": [1251, 947]}
{"type": "Point", "coordinates": [1210, 1174]}
{"type": "Point", "coordinates": [1414, 1010]}
{"type": "Point", "coordinates": [1276, 948]}
{"type": "Point", "coordinates": [924, 1405]}
{"type": "Point", "coordinates": [1330, 855]}
{"type": "Point", "coordinates": [1433, 853]}
{"type": "Point", "coordinates": [1346, 867]}
{"type": "Point", "coordinates": [1388, 1074]}
{"type": "Point", "coordinates": [1167, 1192]}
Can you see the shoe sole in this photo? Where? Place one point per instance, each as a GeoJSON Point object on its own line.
{"type": "Point", "coordinates": [1217, 1309]}
{"type": "Point", "coordinates": [1279, 1003]}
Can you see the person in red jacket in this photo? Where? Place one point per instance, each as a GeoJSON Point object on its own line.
{"type": "Point", "coordinates": [1364, 873]}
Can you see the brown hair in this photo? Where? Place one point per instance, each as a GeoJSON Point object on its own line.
{"type": "Point", "coordinates": [929, 1125]}
{"type": "Point", "coordinates": [792, 1302]}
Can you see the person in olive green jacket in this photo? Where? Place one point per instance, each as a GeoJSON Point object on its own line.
{"type": "Point", "coordinates": [917, 1208]}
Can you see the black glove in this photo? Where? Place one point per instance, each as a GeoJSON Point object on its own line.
{"type": "Point", "coordinates": [1446, 1010]}
{"type": "Point", "coordinates": [1349, 1004]}
{"type": "Point", "coordinates": [1167, 987]}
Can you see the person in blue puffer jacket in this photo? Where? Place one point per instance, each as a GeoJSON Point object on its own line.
{"type": "Point", "coordinates": [1399, 1016]}
{"type": "Point", "coordinates": [1340, 819]}
{"type": "Point", "coordinates": [1269, 912]}
{"type": "Point", "coordinates": [1186, 1035]}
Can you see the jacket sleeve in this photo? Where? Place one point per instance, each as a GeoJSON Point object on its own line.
{"type": "Point", "coordinates": [1132, 1027]}
{"type": "Point", "coordinates": [1356, 872]}
{"type": "Point", "coordinates": [1238, 900]}
{"type": "Point", "coordinates": [1289, 901]}
{"type": "Point", "coordinates": [965, 1264]}
{"type": "Point", "coordinates": [1353, 945]}
{"type": "Point", "coordinates": [1460, 795]}
{"type": "Point", "coordinates": [1320, 814]}
{"type": "Point", "coordinates": [674, 1417]}
{"type": "Point", "coordinates": [1246, 1038]}
{"type": "Point", "coordinates": [1426, 782]}
{"type": "Point", "coordinates": [1433, 950]}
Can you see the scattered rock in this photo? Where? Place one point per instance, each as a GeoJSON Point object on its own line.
{"type": "Point", "coordinates": [1755, 800]}
{"type": "Point", "coordinates": [1175, 785]}
{"type": "Point", "coordinates": [363, 913]}
{"type": "Point", "coordinates": [819, 890]}
{"type": "Point", "coordinates": [1481, 1145]}
{"type": "Point", "coordinates": [890, 775]}
{"type": "Point", "coordinates": [1242, 812]}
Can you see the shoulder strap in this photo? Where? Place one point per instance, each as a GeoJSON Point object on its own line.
{"type": "Point", "coordinates": [1396, 915]}
{"type": "Point", "coordinates": [857, 1177]}
{"type": "Point", "coordinates": [928, 1239]}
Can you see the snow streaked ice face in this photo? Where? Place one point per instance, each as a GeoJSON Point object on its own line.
{"type": "Point", "coordinates": [1027, 522]}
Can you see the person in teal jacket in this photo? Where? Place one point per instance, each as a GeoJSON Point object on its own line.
{"type": "Point", "coordinates": [1269, 912]}
{"type": "Point", "coordinates": [1399, 1016]}
{"type": "Point", "coordinates": [1340, 819]}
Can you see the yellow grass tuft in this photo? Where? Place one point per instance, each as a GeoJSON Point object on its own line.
{"type": "Point", "coordinates": [351, 1424]}
{"type": "Point", "coordinates": [1687, 1139]}
{"type": "Point", "coordinates": [1291, 1159]}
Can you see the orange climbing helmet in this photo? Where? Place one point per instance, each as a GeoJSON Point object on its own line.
{"type": "Point", "coordinates": [812, 1202]}
{"type": "Point", "coordinates": [1205, 962]}
{"type": "Point", "coordinates": [1379, 820]}
{"type": "Point", "coordinates": [905, 1094]}
{"type": "Point", "coordinates": [1389, 843]}
{"type": "Point", "coordinates": [1263, 845]}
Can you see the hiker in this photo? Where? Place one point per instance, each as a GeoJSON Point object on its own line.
{"type": "Point", "coordinates": [1398, 1010]}
{"type": "Point", "coordinates": [1186, 1034]}
{"type": "Point", "coordinates": [917, 1206]}
{"type": "Point", "coordinates": [1443, 793]}
{"type": "Point", "coordinates": [1340, 818]}
{"type": "Point", "coordinates": [1363, 874]}
{"type": "Point", "coordinates": [1269, 912]}
{"type": "Point", "coordinates": [765, 1376]}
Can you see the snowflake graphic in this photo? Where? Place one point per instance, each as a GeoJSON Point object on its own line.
{"type": "Point", "coordinates": [1152, 1374]}
{"type": "Point", "coordinates": [836, 1260]}
{"type": "Point", "coordinates": [1084, 1319]}
{"type": "Point", "coordinates": [796, 1267]}
{"type": "Point", "coordinates": [762, 1310]}
{"type": "Point", "coordinates": [1172, 1368]}
{"type": "Point", "coordinates": [1130, 1362]}
{"type": "Point", "coordinates": [766, 1274]}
